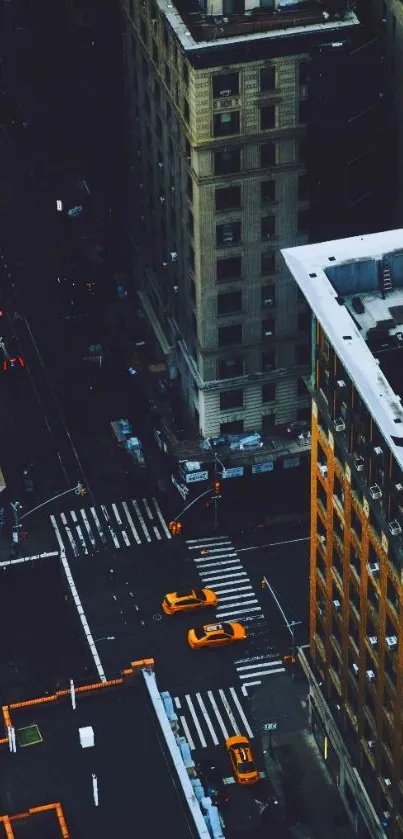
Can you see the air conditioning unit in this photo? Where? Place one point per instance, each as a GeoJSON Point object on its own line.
{"type": "Point", "coordinates": [268, 301]}
{"type": "Point", "coordinates": [375, 492]}
{"type": "Point", "coordinates": [162, 199]}
{"type": "Point", "coordinates": [161, 165]}
{"type": "Point", "coordinates": [322, 469]}
{"type": "Point", "coordinates": [225, 93]}
{"type": "Point", "coordinates": [268, 333]}
{"type": "Point", "coordinates": [340, 383]}
{"type": "Point", "coordinates": [371, 744]}
{"type": "Point", "coordinates": [378, 451]}
{"type": "Point", "coordinates": [388, 782]}
{"type": "Point", "coordinates": [395, 528]}
{"type": "Point", "coordinates": [373, 567]}
{"type": "Point", "coordinates": [391, 641]}
{"type": "Point", "coordinates": [371, 675]}
{"type": "Point", "coordinates": [399, 487]}
{"type": "Point", "coordinates": [339, 424]}
{"type": "Point", "coordinates": [373, 640]}
{"type": "Point", "coordinates": [355, 668]}
{"type": "Point", "coordinates": [359, 463]}
{"type": "Point", "coordinates": [174, 256]}
{"type": "Point", "coordinates": [322, 540]}
{"type": "Point", "coordinates": [337, 605]}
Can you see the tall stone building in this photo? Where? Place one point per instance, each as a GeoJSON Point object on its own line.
{"type": "Point", "coordinates": [247, 137]}
{"type": "Point", "coordinates": [355, 290]}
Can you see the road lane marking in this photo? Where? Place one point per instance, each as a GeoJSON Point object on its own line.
{"type": "Point", "coordinates": [239, 612]}
{"type": "Point", "coordinates": [247, 685]}
{"type": "Point", "coordinates": [228, 590]}
{"type": "Point", "coordinates": [88, 528]}
{"type": "Point", "coordinates": [141, 520]}
{"type": "Point", "coordinates": [177, 702]}
{"type": "Point", "coordinates": [203, 559]}
{"type": "Point", "coordinates": [261, 663]}
{"type": "Point", "coordinates": [131, 523]}
{"type": "Point", "coordinates": [161, 518]}
{"type": "Point", "coordinates": [79, 531]}
{"type": "Point", "coordinates": [262, 673]}
{"type": "Point", "coordinates": [241, 712]}
{"type": "Point", "coordinates": [207, 718]}
{"type": "Point", "coordinates": [69, 535]}
{"type": "Point", "coordinates": [234, 562]}
{"type": "Point", "coordinates": [187, 732]}
{"type": "Point", "coordinates": [207, 539]}
{"type": "Point", "coordinates": [233, 599]}
{"type": "Point", "coordinates": [217, 713]}
{"type": "Point", "coordinates": [229, 712]}
{"type": "Point", "coordinates": [195, 720]}
{"type": "Point", "coordinates": [223, 576]}
{"type": "Point", "coordinates": [98, 524]}
{"type": "Point", "coordinates": [215, 553]}
{"type": "Point", "coordinates": [109, 526]}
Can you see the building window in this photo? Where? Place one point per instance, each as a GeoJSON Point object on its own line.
{"type": "Point", "coordinates": [233, 7]}
{"type": "Point", "coordinates": [303, 221]}
{"type": "Point", "coordinates": [228, 335]}
{"type": "Point", "coordinates": [229, 269]}
{"type": "Point", "coordinates": [155, 53]}
{"type": "Point", "coordinates": [185, 74]}
{"type": "Point", "coordinates": [267, 191]}
{"type": "Point", "coordinates": [189, 187]}
{"type": "Point", "coordinates": [268, 327]}
{"type": "Point", "coordinates": [268, 227]}
{"type": "Point", "coordinates": [303, 111]}
{"type": "Point", "coordinates": [268, 361]}
{"type": "Point", "coordinates": [191, 224]}
{"type": "Point", "coordinates": [302, 149]}
{"type": "Point", "coordinates": [132, 9]}
{"type": "Point", "coordinates": [230, 399]}
{"type": "Point", "coordinates": [267, 154]}
{"type": "Point", "coordinates": [268, 296]}
{"type": "Point", "coordinates": [228, 198]}
{"type": "Point", "coordinates": [225, 123]}
{"type": "Point", "coordinates": [186, 112]}
{"type": "Point", "coordinates": [267, 117]}
{"type": "Point", "coordinates": [267, 79]}
{"type": "Point", "coordinates": [227, 162]}
{"type": "Point", "coordinates": [229, 368]}
{"type": "Point", "coordinates": [268, 421]}
{"type": "Point", "coordinates": [269, 392]}
{"type": "Point", "coordinates": [304, 321]}
{"type": "Point", "coordinates": [228, 234]}
{"type": "Point", "coordinates": [229, 302]}
{"type": "Point", "coordinates": [302, 354]}
{"type": "Point", "coordinates": [143, 31]}
{"type": "Point", "coordinates": [267, 262]}
{"type": "Point", "coordinates": [301, 387]}
{"type": "Point", "coordinates": [234, 427]}
{"type": "Point", "coordinates": [302, 187]}
{"type": "Point", "coordinates": [225, 84]}
{"type": "Point", "coordinates": [303, 72]}
{"type": "Point", "coordinates": [167, 76]}
{"type": "Point", "coordinates": [304, 414]}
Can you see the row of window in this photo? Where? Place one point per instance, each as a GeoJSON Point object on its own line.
{"type": "Point", "coordinates": [228, 368]}
{"type": "Point", "coordinates": [229, 161]}
{"type": "Point", "coordinates": [230, 268]}
{"type": "Point", "coordinates": [230, 399]}
{"type": "Point", "coordinates": [268, 421]}
{"type": "Point", "coordinates": [230, 197]}
{"type": "Point", "coordinates": [228, 84]}
{"type": "Point", "coordinates": [233, 334]}
{"type": "Point", "coordinates": [230, 232]}
{"type": "Point", "coordinates": [230, 302]}
{"type": "Point", "coordinates": [226, 123]}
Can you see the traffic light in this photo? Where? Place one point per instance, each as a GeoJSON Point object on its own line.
{"type": "Point", "coordinates": [175, 528]}
{"type": "Point", "coordinates": [217, 487]}
{"type": "Point", "coordinates": [83, 491]}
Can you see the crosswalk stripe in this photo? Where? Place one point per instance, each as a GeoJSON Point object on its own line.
{"type": "Point", "coordinates": [200, 542]}
{"type": "Point", "coordinates": [262, 673]}
{"type": "Point", "coordinates": [156, 532]}
{"type": "Point", "coordinates": [141, 520]}
{"type": "Point", "coordinates": [125, 538]}
{"type": "Point", "coordinates": [233, 599]}
{"type": "Point", "coordinates": [69, 535]}
{"type": "Point", "coordinates": [147, 509]}
{"type": "Point", "coordinates": [223, 576]}
{"type": "Point", "coordinates": [229, 712]}
{"type": "Point", "coordinates": [117, 514]}
{"type": "Point", "coordinates": [201, 560]}
{"type": "Point", "coordinates": [187, 732]}
{"type": "Point", "coordinates": [161, 518]}
{"type": "Point", "coordinates": [217, 713]}
{"type": "Point", "coordinates": [241, 712]}
{"type": "Point", "coordinates": [207, 718]}
{"type": "Point", "coordinates": [79, 531]}
{"type": "Point", "coordinates": [240, 612]}
{"type": "Point", "coordinates": [261, 664]}
{"type": "Point", "coordinates": [177, 702]}
{"type": "Point", "coordinates": [98, 524]}
{"type": "Point", "coordinates": [195, 720]}
{"type": "Point", "coordinates": [228, 590]}
{"type": "Point", "coordinates": [131, 523]}
{"type": "Point", "coordinates": [107, 518]}
{"type": "Point", "coordinates": [216, 553]}
{"type": "Point", "coordinates": [226, 562]}
{"type": "Point", "coordinates": [88, 528]}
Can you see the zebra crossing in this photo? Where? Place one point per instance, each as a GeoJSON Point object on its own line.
{"type": "Point", "coordinates": [208, 717]}
{"type": "Point", "coordinates": [120, 524]}
{"type": "Point", "coordinates": [220, 568]}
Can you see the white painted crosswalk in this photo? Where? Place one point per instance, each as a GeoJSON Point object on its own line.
{"type": "Point", "coordinates": [120, 524]}
{"type": "Point", "coordinates": [220, 568]}
{"type": "Point", "coordinates": [207, 718]}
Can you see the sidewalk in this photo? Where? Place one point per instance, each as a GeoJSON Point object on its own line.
{"type": "Point", "coordinates": [294, 766]}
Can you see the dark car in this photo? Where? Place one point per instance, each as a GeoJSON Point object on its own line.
{"type": "Point", "coordinates": [212, 781]}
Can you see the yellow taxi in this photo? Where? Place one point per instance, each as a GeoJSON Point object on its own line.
{"type": "Point", "coordinates": [197, 598]}
{"type": "Point", "coordinates": [216, 634]}
{"type": "Point", "coordinates": [242, 763]}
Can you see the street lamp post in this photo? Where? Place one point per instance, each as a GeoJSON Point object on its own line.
{"type": "Point", "coordinates": [289, 624]}
{"type": "Point", "coordinates": [16, 507]}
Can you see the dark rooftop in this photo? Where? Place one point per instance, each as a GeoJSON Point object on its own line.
{"type": "Point", "coordinates": [51, 767]}
{"type": "Point", "coordinates": [206, 27]}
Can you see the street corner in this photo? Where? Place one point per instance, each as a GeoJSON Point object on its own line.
{"type": "Point", "coordinates": [278, 705]}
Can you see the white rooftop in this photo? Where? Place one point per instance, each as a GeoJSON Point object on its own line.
{"type": "Point", "coordinates": [355, 257]}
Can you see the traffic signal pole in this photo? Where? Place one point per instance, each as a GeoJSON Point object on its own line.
{"type": "Point", "coordinates": [16, 507]}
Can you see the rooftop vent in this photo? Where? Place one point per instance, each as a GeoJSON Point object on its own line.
{"type": "Point", "coordinates": [358, 305]}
